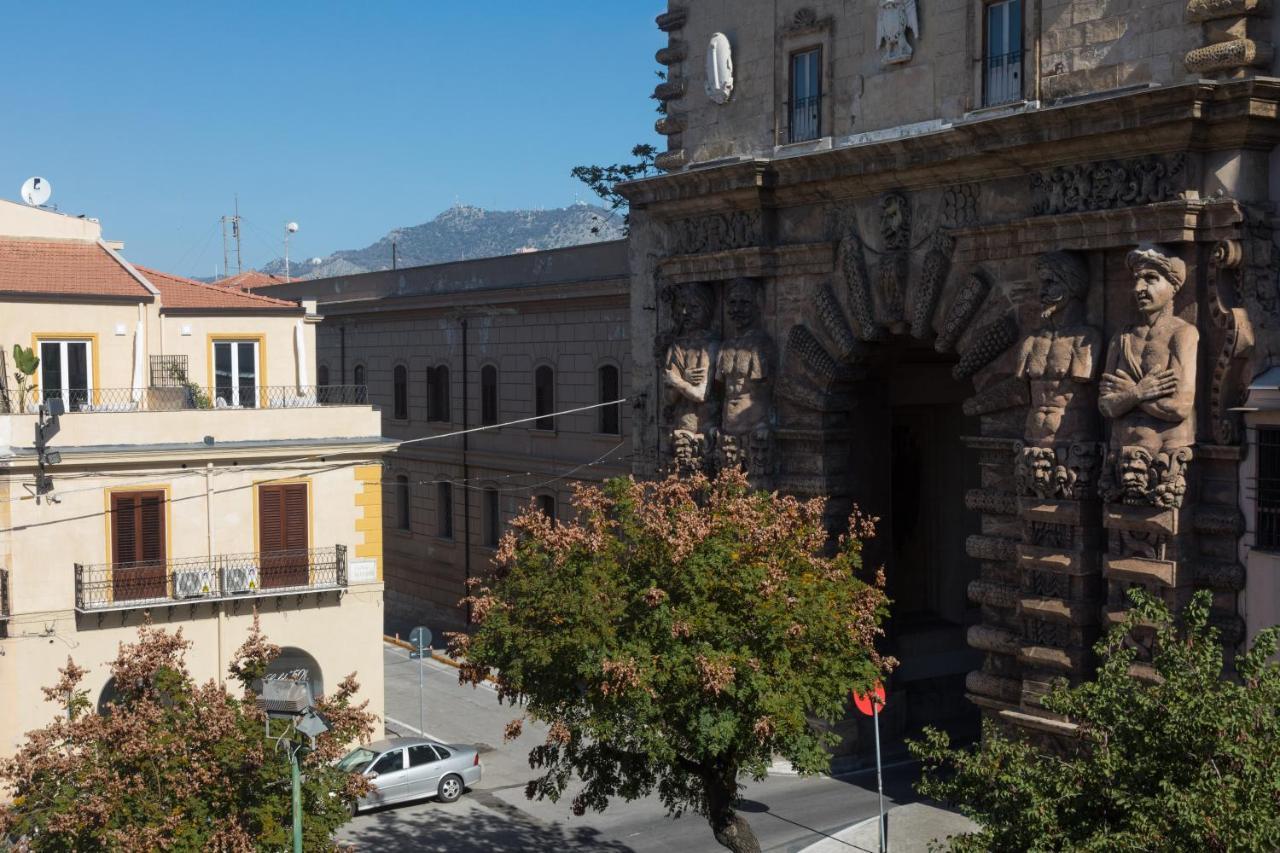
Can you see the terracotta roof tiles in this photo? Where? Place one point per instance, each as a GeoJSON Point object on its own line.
{"type": "Point", "coordinates": [177, 292]}
{"type": "Point", "coordinates": [65, 268]}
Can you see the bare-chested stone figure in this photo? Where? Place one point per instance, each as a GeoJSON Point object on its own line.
{"type": "Point", "coordinates": [687, 375]}
{"type": "Point", "coordinates": [1149, 385]}
{"type": "Point", "coordinates": [744, 372]}
{"type": "Point", "coordinates": [1059, 361]}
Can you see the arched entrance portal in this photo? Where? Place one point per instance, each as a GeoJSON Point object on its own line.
{"type": "Point", "coordinates": [295, 664]}
{"type": "Point", "coordinates": [910, 466]}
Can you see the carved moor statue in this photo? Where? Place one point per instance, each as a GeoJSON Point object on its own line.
{"type": "Point", "coordinates": [1148, 389]}
{"type": "Point", "coordinates": [1058, 362]}
{"type": "Point", "coordinates": [744, 372]}
{"type": "Point", "coordinates": [687, 376]}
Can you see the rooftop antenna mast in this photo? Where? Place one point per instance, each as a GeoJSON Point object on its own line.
{"type": "Point", "coordinates": [235, 235]}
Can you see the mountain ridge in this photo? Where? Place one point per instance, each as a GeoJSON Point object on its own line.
{"type": "Point", "coordinates": [465, 232]}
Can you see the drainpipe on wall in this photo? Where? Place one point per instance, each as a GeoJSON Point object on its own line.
{"type": "Point", "coordinates": [466, 473]}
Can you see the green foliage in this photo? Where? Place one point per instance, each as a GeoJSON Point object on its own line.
{"type": "Point", "coordinates": [173, 764]}
{"type": "Point", "coordinates": [604, 180]}
{"type": "Point", "coordinates": [27, 362]}
{"type": "Point", "coordinates": [195, 395]}
{"type": "Point", "coordinates": [675, 638]}
{"type": "Point", "coordinates": [1189, 762]}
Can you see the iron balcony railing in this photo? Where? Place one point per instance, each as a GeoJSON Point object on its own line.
{"type": "Point", "coordinates": [189, 397]}
{"type": "Point", "coordinates": [132, 586]}
{"type": "Point", "coordinates": [806, 119]}
{"type": "Point", "coordinates": [1003, 76]}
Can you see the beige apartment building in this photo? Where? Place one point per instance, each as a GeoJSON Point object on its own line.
{"type": "Point", "coordinates": [501, 344]}
{"type": "Point", "coordinates": [171, 459]}
{"type": "Point", "coordinates": [1002, 272]}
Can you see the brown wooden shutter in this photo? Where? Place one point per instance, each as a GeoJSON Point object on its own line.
{"type": "Point", "coordinates": [138, 548]}
{"type": "Point", "coordinates": [282, 534]}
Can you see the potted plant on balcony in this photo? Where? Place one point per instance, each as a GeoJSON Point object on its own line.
{"type": "Point", "coordinates": [25, 359]}
{"type": "Point", "coordinates": [195, 397]}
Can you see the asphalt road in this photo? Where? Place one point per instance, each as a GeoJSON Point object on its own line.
{"type": "Point", "coordinates": [787, 812]}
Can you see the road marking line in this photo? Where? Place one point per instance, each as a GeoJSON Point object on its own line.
{"type": "Point", "coordinates": [419, 732]}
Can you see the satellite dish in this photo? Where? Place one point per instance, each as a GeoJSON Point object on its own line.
{"type": "Point", "coordinates": [36, 192]}
{"type": "Point", "coordinates": [292, 228]}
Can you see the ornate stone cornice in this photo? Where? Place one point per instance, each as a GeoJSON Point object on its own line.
{"type": "Point", "coordinates": [1190, 117]}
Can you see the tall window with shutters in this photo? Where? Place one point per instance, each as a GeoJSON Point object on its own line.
{"type": "Point", "coordinates": [544, 397]}
{"type": "Point", "coordinates": [438, 393]}
{"type": "Point", "coordinates": [138, 546]}
{"type": "Point", "coordinates": [283, 539]}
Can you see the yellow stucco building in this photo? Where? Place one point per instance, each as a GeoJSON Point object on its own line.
{"type": "Point", "coordinates": [171, 458]}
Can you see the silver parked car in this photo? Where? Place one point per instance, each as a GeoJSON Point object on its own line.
{"type": "Point", "coordinates": [410, 768]}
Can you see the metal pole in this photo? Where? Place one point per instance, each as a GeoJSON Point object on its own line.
{"type": "Point", "coordinates": [884, 829]}
{"type": "Point", "coordinates": [421, 721]}
{"type": "Point", "coordinates": [297, 800]}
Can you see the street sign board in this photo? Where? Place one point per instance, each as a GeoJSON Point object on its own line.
{"type": "Point", "coordinates": [420, 639]}
{"type": "Point", "coordinates": [862, 701]}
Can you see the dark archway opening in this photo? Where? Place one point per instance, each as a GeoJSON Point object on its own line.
{"type": "Point", "coordinates": [909, 465]}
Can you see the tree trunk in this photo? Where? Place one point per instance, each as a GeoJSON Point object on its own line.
{"type": "Point", "coordinates": [730, 828]}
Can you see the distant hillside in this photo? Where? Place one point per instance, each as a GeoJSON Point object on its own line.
{"type": "Point", "coordinates": [462, 233]}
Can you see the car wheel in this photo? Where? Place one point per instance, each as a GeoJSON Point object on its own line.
{"type": "Point", "coordinates": [450, 788]}
{"type": "Point", "coordinates": [353, 808]}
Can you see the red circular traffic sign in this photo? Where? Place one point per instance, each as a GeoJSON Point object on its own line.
{"type": "Point", "coordinates": [862, 701]}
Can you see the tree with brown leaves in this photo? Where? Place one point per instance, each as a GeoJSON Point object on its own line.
{"type": "Point", "coordinates": [175, 765]}
{"type": "Point", "coordinates": [675, 638]}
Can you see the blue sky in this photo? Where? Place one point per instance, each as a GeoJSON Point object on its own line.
{"type": "Point", "coordinates": [350, 118]}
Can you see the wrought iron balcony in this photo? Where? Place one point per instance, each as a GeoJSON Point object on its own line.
{"type": "Point", "coordinates": [1003, 76]}
{"type": "Point", "coordinates": [176, 398]}
{"type": "Point", "coordinates": [806, 119]}
{"type": "Point", "coordinates": [161, 583]}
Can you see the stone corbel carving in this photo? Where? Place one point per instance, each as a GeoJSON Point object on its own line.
{"type": "Point", "coordinates": [1148, 390]}
{"type": "Point", "coordinates": [895, 20]}
{"type": "Point", "coordinates": [688, 369]}
{"type": "Point", "coordinates": [1236, 32]}
{"type": "Point", "coordinates": [744, 373]}
{"type": "Point", "coordinates": [719, 69]}
{"type": "Point", "coordinates": [1058, 362]}
{"type": "Point", "coordinates": [1233, 335]}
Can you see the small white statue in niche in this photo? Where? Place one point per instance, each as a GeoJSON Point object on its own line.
{"type": "Point", "coordinates": [719, 69]}
{"type": "Point", "coordinates": [896, 19]}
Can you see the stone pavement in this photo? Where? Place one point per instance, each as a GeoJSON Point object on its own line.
{"type": "Point", "coordinates": [912, 827]}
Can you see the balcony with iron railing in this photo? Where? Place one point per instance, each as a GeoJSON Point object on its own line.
{"type": "Point", "coordinates": [195, 580]}
{"type": "Point", "coordinates": [805, 119]}
{"type": "Point", "coordinates": [179, 398]}
{"type": "Point", "coordinates": [1002, 76]}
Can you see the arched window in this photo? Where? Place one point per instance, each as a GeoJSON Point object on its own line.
{"type": "Point", "coordinates": [402, 502]}
{"type": "Point", "coordinates": [492, 518]}
{"type": "Point", "coordinates": [444, 510]}
{"type": "Point", "coordinates": [610, 421]}
{"type": "Point", "coordinates": [547, 506]}
{"type": "Point", "coordinates": [361, 390]}
{"type": "Point", "coordinates": [400, 393]}
{"type": "Point", "coordinates": [488, 395]}
{"type": "Point", "coordinates": [438, 393]}
{"type": "Point", "coordinates": [544, 397]}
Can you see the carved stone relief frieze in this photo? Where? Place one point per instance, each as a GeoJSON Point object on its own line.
{"type": "Point", "coordinates": [1108, 184]}
{"type": "Point", "coordinates": [1148, 389]}
{"type": "Point", "coordinates": [719, 232]}
{"type": "Point", "coordinates": [894, 266]}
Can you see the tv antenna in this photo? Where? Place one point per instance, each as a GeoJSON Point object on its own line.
{"type": "Point", "coordinates": [235, 235]}
{"type": "Point", "coordinates": [36, 191]}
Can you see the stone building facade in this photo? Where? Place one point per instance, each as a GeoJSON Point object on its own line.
{"type": "Point", "coordinates": [1002, 273]}
{"type": "Point", "coordinates": [470, 344]}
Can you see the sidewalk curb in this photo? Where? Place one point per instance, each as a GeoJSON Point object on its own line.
{"type": "Point", "coordinates": [438, 657]}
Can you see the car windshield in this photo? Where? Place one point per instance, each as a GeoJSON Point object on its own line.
{"type": "Point", "coordinates": [356, 759]}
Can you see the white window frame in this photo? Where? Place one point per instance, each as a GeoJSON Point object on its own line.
{"type": "Point", "coordinates": [235, 368]}
{"type": "Point", "coordinates": [64, 390]}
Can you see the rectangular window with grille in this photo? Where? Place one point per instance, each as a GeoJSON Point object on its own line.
{"type": "Point", "coordinates": [1268, 521]}
{"type": "Point", "coordinates": [805, 108]}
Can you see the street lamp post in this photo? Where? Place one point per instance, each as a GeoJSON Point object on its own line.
{"type": "Point", "coordinates": [290, 700]}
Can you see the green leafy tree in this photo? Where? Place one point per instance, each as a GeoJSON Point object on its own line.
{"type": "Point", "coordinates": [604, 180]}
{"type": "Point", "coordinates": [1190, 761]}
{"type": "Point", "coordinates": [174, 765]}
{"type": "Point", "coordinates": [674, 638]}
